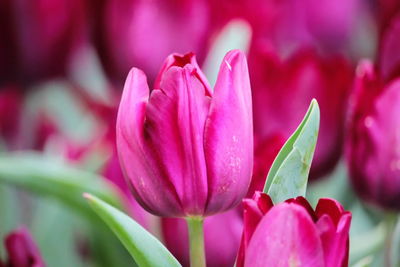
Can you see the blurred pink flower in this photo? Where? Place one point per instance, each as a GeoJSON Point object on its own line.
{"type": "Point", "coordinates": [293, 234]}
{"type": "Point", "coordinates": [222, 237]}
{"type": "Point", "coordinates": [283, 89]}
{"type": "Point", "coordinates": [265, 153]}
{"type": "Point", "coordinates": [291, 24]}
{"type": "Point", "coordinates": [38, 37]}
{"type": "Point", "coordinates": [389, 52]}
{"type": "Point", "coordinates": [185, 149]}
{"type": "Point", "coordinates": [142, 33]}
{"type": "Point", "coordinates": [373, 142]}
{"type": "Point", "coordinates": [22, 250]}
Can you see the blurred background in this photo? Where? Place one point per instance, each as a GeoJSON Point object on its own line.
{"type": "Point", "coordinates": [63, 64]}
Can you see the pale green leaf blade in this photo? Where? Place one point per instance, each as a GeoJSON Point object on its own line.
{"type": "Point", "coordinates": [145, 249]}
{"type": "Point", "coordinates": [288, 175]}
{"type": "Point", "coordinates": [49, 177]}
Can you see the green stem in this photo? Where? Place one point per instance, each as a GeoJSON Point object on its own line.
{"type": "Point", "coordinates": [196, 240]}
{"type": "Point", "coordinates": [390, 220]}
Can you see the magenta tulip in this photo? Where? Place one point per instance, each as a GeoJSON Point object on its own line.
{"type": "Point", "coordinates": [22, 250]}
{"type": "Point", "coordinates": [293, 234]}
{"type": "Point", "coordinates": [300, 78]}
{"type": "Point", "coordinates": [142, 33]}
{"type": "Point", "coordinates": [373, 142]}
{"type": "Point", "coordinates": [187, 150]}
{"type": "Point", "coordinates": [222, 234]}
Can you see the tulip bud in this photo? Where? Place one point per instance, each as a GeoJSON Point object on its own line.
{"type": "Point", "coordinates": [22, 250]}
{"type": "Point", "coordinates": [373, 143]}
{"type": "Point", "coordinates": [185, 150]}
{"type": "Point", "coordinates": [38, 37]}
{"type": "Point", "coordinates": [301, 78]}
{"type": "Point", "coordinates": [293, 234]}
{"type": "Point", "coordinates": [142, 33]}
{"type": "Point", "coordinates": [222, 234]}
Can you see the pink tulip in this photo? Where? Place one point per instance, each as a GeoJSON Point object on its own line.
{"type": "Point", "coordinates": [142, 33]}
{"type": "Point", "coordinates": [38, 38]}
{"type": "Point", "coordinates": [22, 250]}
{"type": "Point", "coordinates": [184, 149]}
{"type": "Point", "coordinates": [293, 234]}
{"type": "Point", "coordinates": [283, 89]}
{"type": "Point", "coordinates": [222, 234]}
{"type": "Point", "coordinates": [373, 142]}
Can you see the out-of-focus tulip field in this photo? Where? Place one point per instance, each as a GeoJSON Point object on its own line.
{"type": "Point", "coordinates": [200, 133]}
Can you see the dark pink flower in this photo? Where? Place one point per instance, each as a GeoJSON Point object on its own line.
{"type": "Point", "coordinates": [143, 33]}
{"type": "Point", "coordinates": [38, 37]}
{"type": "Point", "coordinates": [373, 142]}
{"type": "Point", "coordinates": [184, 149]}
{"type": "Point", "coordinates": [22, 250]}
{"type": "Point", "coordinates": [283, 89]}
{"type": "Point", "coordinates": [389, 52]}
{"type": "Point", "coordinates": [293, 234]}
{"type": "Point", "coordinates": [222, 234]}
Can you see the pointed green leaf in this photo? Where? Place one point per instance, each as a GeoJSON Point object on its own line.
{"type": "Point", "coordinates": [288, 175]}
{"type": "Point", "coordinates": [54, 178]}
{"type": "Point", "coordinates": [145, 249]}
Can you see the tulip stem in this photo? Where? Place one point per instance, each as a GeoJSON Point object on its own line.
{"type": "Point", "coordinates": [196, 240]}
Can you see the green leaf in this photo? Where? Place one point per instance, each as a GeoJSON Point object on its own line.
{"type": "Point", "coordinates": [145, 249]}
{"type": "Point", "coordinates": [54, 178]}
{"type": "Point", "coordinates": [288, 175]}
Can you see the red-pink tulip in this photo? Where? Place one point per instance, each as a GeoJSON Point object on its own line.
{"type": "Point", "coordinates": [184, 149]}
{"type": "Point", "coordinates": [373, 143]}
{"type": "Point", "coordinates": [293, 234]}
{"type": "Point", "coordinates": [22, 250]}
{"type": "Point", "coordinates": [283, 89]}
{"type": "Point", "coordinates": [142, 33]}
{"type": "Point", "coordinates": [222, 234]}
{"type": "Point", "coordinates": [38, 37]}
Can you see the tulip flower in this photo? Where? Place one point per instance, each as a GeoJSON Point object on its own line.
{"type": "Point", "coordinates": [142, 33]}
{"type": "Point", "coordinates": [222, 238]}
{"type": "Point", "coordinates": [300, 78]}
{"type": "Point", "coordinates": [373, 143]}
{"type": "Point", "coordinates": [185, 150]}
{"type": "Point", "coordinates": [293, 234]}
{"type": "Point", "coordinates": [38, 38]}
{"type": "Point", "coordinates": [22, 250]}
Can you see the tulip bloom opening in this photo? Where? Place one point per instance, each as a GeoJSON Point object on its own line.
{"type": "Point", "coordinates": [186, 150]}
{"type": "Point", "coordinates": [293, 234]}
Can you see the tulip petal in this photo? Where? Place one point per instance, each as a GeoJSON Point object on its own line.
{"type": "Point", "coordinates": [181, 61]}
{"type": "Point", "coordinates": [286, 236]}
{"type": "Point", "coordinates": [253, 211]}
{"type": "Point", "coordinates": [174, 127]}
{"type": "Point", "coordinates": [136, 160]}
{"type": "Point", "coordinates": [228, 142]}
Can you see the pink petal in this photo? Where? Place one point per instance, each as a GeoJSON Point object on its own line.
{"type": "Point", "coordinates": [228, 142]}
{"type": "Point", "coordinates": [174, 129]}
{"type": "Point", "coordinates": [286, 236]}
{"type": "Point", "coordinates": [138, 163]}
